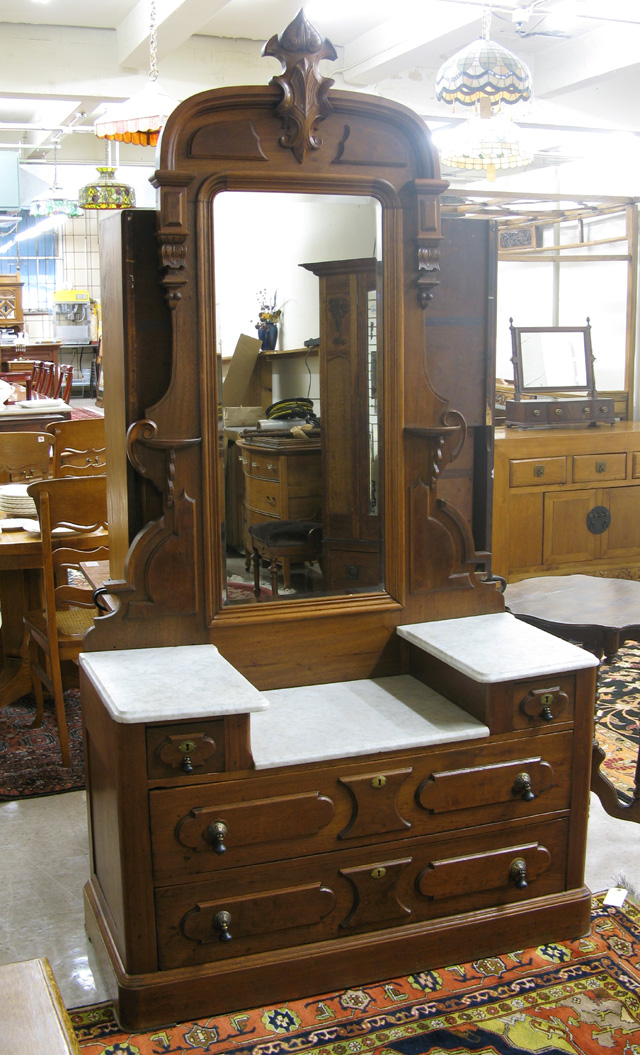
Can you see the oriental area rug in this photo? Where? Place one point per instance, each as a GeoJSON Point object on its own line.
{"type": "Point", "coordinates": [577, 997]}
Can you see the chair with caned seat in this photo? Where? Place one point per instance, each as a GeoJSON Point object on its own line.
{"type": "Point", "coordinates": [79, 447]}
{"type": "Point", "coordinates": [25, 456]}
{"type": "Point", "coordinates": [73, 519]}
{"type": "Point", "coordinates": [274, 541]}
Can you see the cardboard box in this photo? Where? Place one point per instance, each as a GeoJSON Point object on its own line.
{"type": "Point", "coordinates": [240, 371]}
{"type": "Point", "coordinates": [241, 415]}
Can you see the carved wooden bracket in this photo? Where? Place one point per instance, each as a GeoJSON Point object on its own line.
{"type": "Point", "coordinates": [300, 49]}
{"type": "Point", "coordinates": [439, 440]}
{"type": "Point", "coordinates": [144, 433]}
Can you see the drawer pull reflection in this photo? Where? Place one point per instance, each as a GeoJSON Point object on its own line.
{"type": "Point", "coordinates": [216, 834]}
{"type": "Point", "coordinates": [222, 922]}
{"type": "Point", "coordinates": [522, 787]}
{"type": "Point", "coordinates": [518, 872]}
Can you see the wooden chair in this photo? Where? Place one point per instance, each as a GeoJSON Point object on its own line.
{"type": "Point", "coordinates": [25, 456]}
{"type": "Point", "coordinates": [79, 447]}
{"type": "Point", "coordinates": [64, 383]}
{"type": "Point", "coordinates": [277, 540]}
{"type": "Point", "coordinates": [20, 378]}
{"type": "Point", "coordinates": [43, 379]}
{"type": "Point", "coordinates": [55, 634]}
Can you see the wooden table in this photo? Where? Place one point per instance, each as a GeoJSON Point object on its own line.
{"type": "Point", "coordinates": [598, 613]}
{"type": "Point", "coordinates": [16, 419]}
{"type": "Point", "coordinates": [20, 592]}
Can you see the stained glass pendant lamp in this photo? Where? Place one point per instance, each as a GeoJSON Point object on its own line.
{"type": "Point", "coordinates": [54, 203]}
{"type": "Point", "coordinates": [483, 70]}
{"type": "Point", "coordinates": [107, 192]}
{"type": "Point", "coordinates": [140, 119]}
{"type": "Point", "coordinates": [490, 143]}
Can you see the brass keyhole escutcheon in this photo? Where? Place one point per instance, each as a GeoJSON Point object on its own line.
{"type": "Point", "coordinates": [378, 782]}
{"type": "Point", "coordinates": [538, 470]}
{"type": "Point", "coordinates": [186, 747]}
{"type": "Point", "coordinates": [601, 467]}
{"type": "Point", "coordinates": [378, 873]}
{"type": "Point", "coordinates": [546, 699]}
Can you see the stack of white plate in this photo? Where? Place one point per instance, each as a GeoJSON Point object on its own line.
{"type": "Point", "coordinates": [15, 502]}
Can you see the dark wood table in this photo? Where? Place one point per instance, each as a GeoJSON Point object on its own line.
{"type": "Point", "coordinates": [600, 615]}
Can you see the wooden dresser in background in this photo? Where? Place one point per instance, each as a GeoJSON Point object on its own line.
{"type": "Point", "coordinates": [282, 481]}
{"type": "Point", "coordinates": [567, 500]}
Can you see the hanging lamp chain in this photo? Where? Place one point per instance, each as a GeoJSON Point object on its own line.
{"type": "Point", "coordinates": [486, 22]}
{"type": "Point", "coordinates": [153, 43]}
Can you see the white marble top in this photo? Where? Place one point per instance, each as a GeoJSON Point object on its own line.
{"type": "Point", "coordinates": [161, 684]}
{"type": "Point", "coordinates": [496, 647]}
{"type": "Point", "coordinates": [318, 722]}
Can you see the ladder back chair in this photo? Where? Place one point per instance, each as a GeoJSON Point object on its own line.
{"type": "Point", "coordinates": [79, 506]}
{"type": "Point", "coordinates": [64, 383]}
{"type": "Point", "coordinates": [79, 447]}
{"type": "Point", "coordinates": [26, 456]}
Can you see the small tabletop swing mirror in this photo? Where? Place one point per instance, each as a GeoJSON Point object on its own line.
{"type": "Point", "coordinates": [554, 379]}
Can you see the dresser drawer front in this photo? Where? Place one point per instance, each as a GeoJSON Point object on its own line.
{"type": "Point", "coordinates": [330, 896]}
{"type": "Point", "coordinates": [265, 496]}
{"type": "Point", "coordinates": [543, 703]}
{"type": "Point", "coordinates": [596, 468]}
{"type": "Point", "coordinates": [540, 472]}
{"type": "Point", "coordinates": [270, 819]}
{"type": "Point", "coordinates": [262, 466]}
{"type": "Point", "coordinates": [192, 748]}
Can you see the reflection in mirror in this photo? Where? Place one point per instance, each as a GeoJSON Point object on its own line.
{"type": "Point", "coordinates": [554, 360]}
{"type": "Point", "coordinates": [303, 491]}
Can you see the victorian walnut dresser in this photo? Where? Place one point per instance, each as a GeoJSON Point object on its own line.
{"type": "Point", "coordinates": [288, 795]}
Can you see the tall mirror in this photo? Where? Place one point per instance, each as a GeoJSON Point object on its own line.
{"type": "Point", "coordinates": [300, 421]}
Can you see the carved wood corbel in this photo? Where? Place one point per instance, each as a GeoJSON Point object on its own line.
{"type": "Point", "coordinates": [144, 433]}
{"type": "Point", "coordinates": [304, 101]}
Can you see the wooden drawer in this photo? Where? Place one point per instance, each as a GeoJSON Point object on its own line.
{"type": "Point", "coordinates": [264, 466]}
{"type": "Point", "coordinates": [264, 495]}
{"type": "Point", "coordinates": [635, 468]}
{"type": "Point", "coordinates": [543, 703]}
{"type": "Point", "coordinates": [525, 472]}
{"type": "Point", "coordinates": [597, 468]}
{"type": "Point", "coordinates": [329, 896]}
{"type": "Point", "coordinates": [276, 817]}
{"type": "Point", "coordinates": [201, 744]}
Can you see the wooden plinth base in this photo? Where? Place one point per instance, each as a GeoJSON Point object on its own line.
{"type": "Point", "coordinates": [145, 1001]}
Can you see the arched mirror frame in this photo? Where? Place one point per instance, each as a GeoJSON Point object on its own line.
{"type": "Point", "coordinates": [309, 141]}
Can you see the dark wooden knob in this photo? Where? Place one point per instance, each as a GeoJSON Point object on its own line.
{"type": "Point", "coordinates": [522, 787]}
{"type": "Point", "coordinates": [216, 834]}
{"type": "Point", "coordinates": [221, 923]}
{"type": "Point", "coordinates": [518, 872]}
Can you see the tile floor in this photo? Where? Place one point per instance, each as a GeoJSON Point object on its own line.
{"type": "Point", "coordinates": [45, 861]}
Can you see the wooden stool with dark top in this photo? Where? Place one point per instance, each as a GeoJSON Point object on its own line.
{"type": "Point", "coordinates": [297, 539]}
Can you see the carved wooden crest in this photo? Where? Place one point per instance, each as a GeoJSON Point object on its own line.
{"type": "Point", "coordinates": [300, 49]}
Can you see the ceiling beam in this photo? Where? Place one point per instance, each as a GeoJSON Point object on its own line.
{"type": "Point", "coordinates": [584, 60]}
{"type": "Point", "coordinates": [176, 22]}
{"type": "Point", "coordinates": [397, 44]}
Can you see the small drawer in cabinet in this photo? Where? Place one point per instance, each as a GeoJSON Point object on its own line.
{"type": "Point", "coordinates": [635, 470]}
{"type": "Point", "coordinates": [329, 896]}
{"type": "Point", "coordinates": [528, 472]}
{"type": "Point", "coordinates": [215, 827]}
{"type": "Point", "coordinates": [189, 749]}
{"type": "Point", "coordinates": [543, 703]}
{"type": "Point", "coordinates": [264, 496]}
{"type": "Point", "coordinates": [593, 468]}
{"type": "Point", "coordinates": [264, 466]}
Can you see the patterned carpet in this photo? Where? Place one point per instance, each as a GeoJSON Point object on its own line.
{"type": "Point", "coordinates": [618, 717]}
{"type": "Point", "coordinates": [576, 997]}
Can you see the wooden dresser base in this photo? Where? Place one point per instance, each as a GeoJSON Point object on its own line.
{"type": "Point", "coordinates": [146, 1001]}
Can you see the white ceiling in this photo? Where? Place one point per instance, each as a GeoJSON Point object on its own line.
{"type": "Point", "coordinates": [62, 60]}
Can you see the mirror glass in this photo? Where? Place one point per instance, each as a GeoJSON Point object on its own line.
{"type": "Point", "coordinates": [553, 360]}
{"type": "Point", "coordinates": [311, 266]}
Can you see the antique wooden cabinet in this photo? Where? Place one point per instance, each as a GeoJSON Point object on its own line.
{"type": "Point", "coordinates": [348, 786]}
{"type": "Point", "coordinates": [569, 501]}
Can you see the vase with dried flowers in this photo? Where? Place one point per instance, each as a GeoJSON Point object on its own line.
{"type": "Point", "coordinates": [267, 324]}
